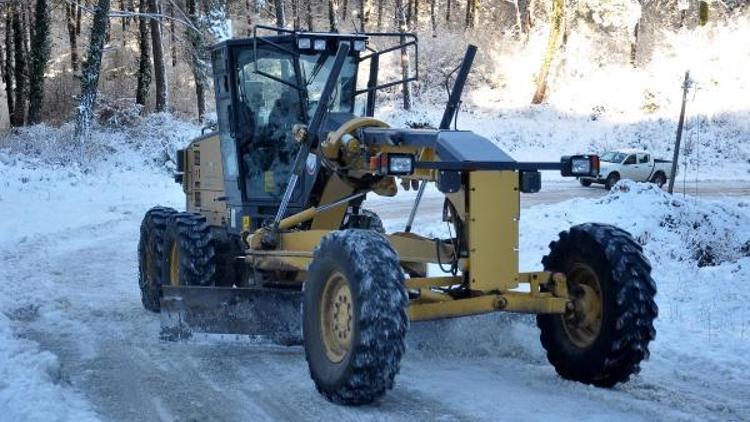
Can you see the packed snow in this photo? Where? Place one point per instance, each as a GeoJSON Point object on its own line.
{"type": "Point", "coordinates": [75, 343]}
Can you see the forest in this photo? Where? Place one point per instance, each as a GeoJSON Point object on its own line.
{"type": "Point", "coordinates": [68, 59]}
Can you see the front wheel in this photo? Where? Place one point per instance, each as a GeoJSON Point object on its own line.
{"type": "Point", "coordinates": [355, 317]}
{"type": "Point", "coordinates": [605, 336]}
{"type": "Point", "coordinates": [584, 182]}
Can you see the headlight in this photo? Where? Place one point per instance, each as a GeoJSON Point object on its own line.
{"type": "Point", "coordinates": [320, 44]}
{"type": "Point", "coordinates": [304, 43]}
{"type": "Point", "coordinates": [359, 45]}
{"type": "Point", "coordinates": [401, 164]}
{"type": "Point", "coordinates": [392, 164]}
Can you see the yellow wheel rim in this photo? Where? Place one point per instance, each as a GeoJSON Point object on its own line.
{"type": "Point", "coordinates": [337, 317]}
{"type": "Point", "coordinates": [583, 324]}
{"type": "Point", "coordinates": [174, 265]}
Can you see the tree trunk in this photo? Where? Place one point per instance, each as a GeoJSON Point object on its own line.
{"type": "Point", "coordinates": [433, 19]}
{"type": "Point", "coordinates": [280, 13]}
{"type": "Point", "coordinates": [91, 71]}
{"type": "Point", "coordinates": [529, 17]}
{"type": "Point", "coordinates": [448, 11]}
{"type": "Point", "coordinates": [380, 14]}
{"type": "Point", "coordinates": [40, 51]}
{"type": "Point", "coordinates": [401, 22]}
{"type": "Point", "coordinates": [556, 29]}
{"type": "Point", "coordinates": [70, 18]}
{"type": "Point", "coordinates": [309, 15]}
{"type": "Point", "coordinates": [78, 18]}
{"type": "Point", "coordinates": [344, 7]}
{"type": "Point", "coordinates": [295, 15]}
{"type": "Point", "coordinates": [160, 71]}
{"type": "Point", "coordinates": [144, 59]}
{"type": "Point", "coordinates": [19, 60]}
{"type": "Point", "coordinates": [8, 64]}
{"type": "Point", "coordinates": [332, 17]}
{"type": "Point", "coordinates": [250, 6]}
{"type": "Point", "coordinates": [172, 36]}
{"type": "Point", "coordinates": [197, 58]}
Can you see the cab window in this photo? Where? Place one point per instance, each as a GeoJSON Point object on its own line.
{"type": "Point", "coordinates": [643, 159]}
{"type": "Point", "coordinates": [629, 160]}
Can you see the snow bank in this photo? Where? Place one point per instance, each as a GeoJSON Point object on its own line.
{"type": "Point", "coordinates": [51, 184]}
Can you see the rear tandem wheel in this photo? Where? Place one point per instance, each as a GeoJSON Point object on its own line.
{"type": "Point", "coordinates": [152, 256]}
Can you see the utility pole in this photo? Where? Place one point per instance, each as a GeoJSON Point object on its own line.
{"type": "Point", "coordinates": [680, 123]}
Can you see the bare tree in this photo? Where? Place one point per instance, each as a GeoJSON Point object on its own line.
{"type": "Point", "coordinates": [18, 118]}
{"type": "Point", "coordinates": [380, 14]}
{"type": "Point", "coordinates": [172, 35]}
{"type": "Point", "coordinates": [401, 22]}
{"type": "Point", "coordinates": [280, 14]}
{"type": "Point", "coordinates": [144, 59]}
{"type": "Point", "coordinates": [309, 15]}
{"type": "Point", "coordinates": [160, 70]}
{"type": "Point", "coordinates": [70, 20]}
{"type": "Point", "coordinates": [197, 58]}
{"type": "Point", "coordinates": [8, 73]}
{"type": "Point", "coordinates": [332, 18]}
{"type": "Point", "coordinates": [556, 29]}
{"type": "Point", "coordinates": [250, 5]}
{"type": "Point", "coordinates": [40, 51]}
{"type": "Point", "coordinates": [92, 70]}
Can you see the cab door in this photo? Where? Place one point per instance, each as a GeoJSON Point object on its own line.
{"type": "Point", "coordinates": [629, 168]}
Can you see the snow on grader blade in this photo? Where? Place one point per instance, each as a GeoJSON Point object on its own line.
{"type": "Point", "coordinates": [258, 314]}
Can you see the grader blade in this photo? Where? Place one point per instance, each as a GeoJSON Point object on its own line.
{"type": "Point", "coordinates": [253, 313]}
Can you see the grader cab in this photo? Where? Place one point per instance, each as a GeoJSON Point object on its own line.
{"type": "Point", "coordinates": [274, 223]}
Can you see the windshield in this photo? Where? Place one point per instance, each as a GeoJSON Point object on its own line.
{"type": "Point", "coordinates": [270, 105]}
{"type": "Point", "coordinates": [612, 157]}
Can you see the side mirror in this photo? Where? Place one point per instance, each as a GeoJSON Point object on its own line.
{"type": "Point", "coordinates": [579, 165]}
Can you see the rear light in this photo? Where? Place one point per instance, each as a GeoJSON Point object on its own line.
{"type": "Point", "coordinates": [392, 164]}
{"type": "Point", "coordinates": [580, 165]}
{"type": "Point", "coordinates": [359, 45]}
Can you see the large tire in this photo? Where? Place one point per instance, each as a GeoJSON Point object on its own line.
{"type": "Point", "coordinates": [605, 344]}
{"type": "Point", "coordinates": [190, 253]}
{"type": "Point", "coordinates": [584, 182]}
{"type": "Point", "coordinates": [659, 179]}
{"type": "Point", "coordinates": [612, 180]}
{"type": "Point", "coordinates": [355, 319]}
{"type": "Point", "coordinates": [152, 256]}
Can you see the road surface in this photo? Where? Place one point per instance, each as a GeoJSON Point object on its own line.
{"type": "Point", "coordinates": [78, 298]}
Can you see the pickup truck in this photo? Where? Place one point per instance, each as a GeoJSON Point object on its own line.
{"type": "Point", "coordinates": [636, 165]}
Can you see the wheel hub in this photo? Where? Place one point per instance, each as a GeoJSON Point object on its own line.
{"type": "Point", "coordinates": [337, 317]}
{"type": "Point", "coordinates": [584, 322]}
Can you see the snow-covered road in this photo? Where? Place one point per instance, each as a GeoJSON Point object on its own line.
{"type": "Point", "coordinates": [69, 292]}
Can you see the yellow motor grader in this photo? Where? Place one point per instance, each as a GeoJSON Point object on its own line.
{"type": "Point", "coordinates": [275, 243]}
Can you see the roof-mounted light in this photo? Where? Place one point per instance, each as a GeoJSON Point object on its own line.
{"type": "Point", "coordinates": [319, 44]}
{"type": "Point", "coordinates": [304, 43]}
{"type": "Point", "coordinates": [359, 45]}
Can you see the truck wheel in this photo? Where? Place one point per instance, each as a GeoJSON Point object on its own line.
{"type": "Point", "coordinates": [151, 256]}
{"type": "Point", "coordinates": [355, 319]}
{"type": "Point", "coordinates": [604, 338]}
{"type": "Point", "coordinates": [612, 180]}
{"type": "Point", "coordinates": [659, 179]}
{"type": "Point", "coordinates": [584, 182]}
{"type": "Point", "coordinates": [191, 258]}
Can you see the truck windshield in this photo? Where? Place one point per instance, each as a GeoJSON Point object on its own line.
{"type": "Point", "coordinates": [612, 157]}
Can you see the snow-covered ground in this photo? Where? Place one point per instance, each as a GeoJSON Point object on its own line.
{"type": "Point", "coordinates": [75, 343]}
